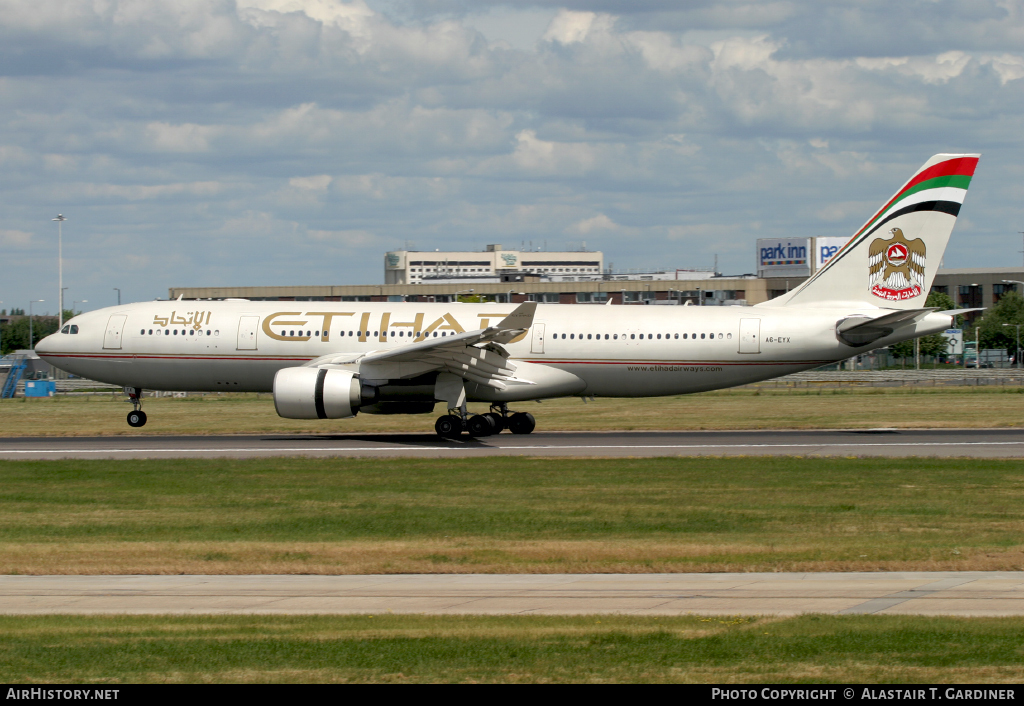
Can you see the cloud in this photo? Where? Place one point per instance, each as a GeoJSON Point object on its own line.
{"type": "Point", "coordinates": [569, 27]}
{"type": "Point", "coordinates": [587, 225]}
{"type": "Point", "coordinates": [311, 183]}
{"type": "Point", "coordinates": [223, 142]}
{"type": "Point", "coordinates": [16, 239]}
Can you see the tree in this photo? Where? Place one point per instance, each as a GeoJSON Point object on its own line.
{"type": "Point", "coordinates": [14, 335]}
{"type": "Point", "coordinates": [902, 350]}
{"type": "Point", "coordinates": [991, 332]}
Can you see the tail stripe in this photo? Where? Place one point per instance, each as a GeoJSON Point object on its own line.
{"type": "Point", "coordinates": [950, 207]}
{"type": "Point", "coordinates": [951, 179]}
{"type": "Point", "coordinates": [959, 167]}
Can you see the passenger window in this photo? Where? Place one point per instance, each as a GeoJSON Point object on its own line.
{"type": "Point", "coordinates": [572, 335]}
{"type": "Point", "coordinates": [435, 334]}
{"type": "Point", "coordinates": [175, 332]}
{"type": "Point", "coordinates": [685, 336]}
{"type": "Point", "coordinates": [632, 335]}
{"type": "Point", "coordinates": [392, 333]}
{"type": "Point", "coordinates": [719, 336]}
{"type": "Point", "coordinates": [659, 336]}
{"type": "Point", "coordinates": [590, 337]}
{"type": "Point", "coordinates": [616, 337]}
{"type": "Point", "coordinates": [677, 336]}
{"type": "Point", "coordinates": [207, 332]}
{"type": "Point", "coordinates": [702, 336]}
{"type": "Point", "coordinates": [729, 336]}
{"type": "Point", "coordinates": [66, 329]}
{"type": "Point", "coordinates": [141, 333]}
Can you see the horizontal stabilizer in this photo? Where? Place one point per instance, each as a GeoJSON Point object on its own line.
{"type": "Point", "coordinates": [861, 330]}
{"type": "Point", "coordinates": [961, 312]}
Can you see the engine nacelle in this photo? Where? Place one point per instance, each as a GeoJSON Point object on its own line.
{"type": "Point", "coordinates": [316, 393]}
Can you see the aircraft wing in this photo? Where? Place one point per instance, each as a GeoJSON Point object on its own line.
{"type": "Point", "coordinates": [476, 356]}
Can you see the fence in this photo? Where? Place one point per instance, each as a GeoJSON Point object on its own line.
{"type": "Point", "coordinates": [1003, 377]}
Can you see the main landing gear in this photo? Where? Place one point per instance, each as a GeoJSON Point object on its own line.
{"type": "Point", "coordinates": [451, 425]}
{"type": "Point", "coordinates": [136, 418]}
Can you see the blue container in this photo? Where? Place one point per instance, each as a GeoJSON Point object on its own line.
{"type": "Point", "coordinates": [40, 388]}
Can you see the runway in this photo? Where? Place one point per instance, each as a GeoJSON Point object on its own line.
{"type": "Point", "coordinates": [974, 443]}
{"type": "Point", "coordinates": [976, 593]}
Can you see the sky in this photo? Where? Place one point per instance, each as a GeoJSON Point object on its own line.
{"type": "Point", "coordinates": [294, 142]}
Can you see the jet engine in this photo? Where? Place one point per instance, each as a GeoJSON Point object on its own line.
{"type": "Point", "coordinates": [316, 393]}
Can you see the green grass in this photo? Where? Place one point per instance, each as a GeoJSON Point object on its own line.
{"type": "Point", "coordinates": [389, 648]}
{"type": "Point", "coordinates": [819, 407]}
{"type": "Point", "coordinates": [298, 515]}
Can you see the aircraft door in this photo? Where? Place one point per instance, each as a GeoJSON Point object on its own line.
{"type": "Point", "coordinates": [750, 335]}
{"type": "Point", "coordinates": [247, 332]}
{"type": "Point", "coordinates": [112, 336]}
{"type": "Point", "coordinates": [537, 346]}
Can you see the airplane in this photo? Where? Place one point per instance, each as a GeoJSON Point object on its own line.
{"type": "Point", "coordinates": [333, 360]}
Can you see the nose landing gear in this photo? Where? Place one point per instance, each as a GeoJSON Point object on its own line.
{"type": "Point", "coordinates": [136, 418]}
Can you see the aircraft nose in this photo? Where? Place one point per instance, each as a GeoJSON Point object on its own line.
{"type": "Point", "coordinates": [46, 345]}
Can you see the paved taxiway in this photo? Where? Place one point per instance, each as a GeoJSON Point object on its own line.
{"type": "Point", "coordinates": [978, 593]}
{"type": "Point", "coordinates": [976, 443]}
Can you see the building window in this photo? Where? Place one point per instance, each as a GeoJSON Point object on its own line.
{"type": "Point", "coordinates": [998, 290]}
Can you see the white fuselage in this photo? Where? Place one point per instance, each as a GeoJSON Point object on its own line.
{"type": "Point", "coordinates": [618, 351]}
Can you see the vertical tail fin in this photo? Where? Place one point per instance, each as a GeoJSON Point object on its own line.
{"type": "Point", "coordinates": [891, 261]}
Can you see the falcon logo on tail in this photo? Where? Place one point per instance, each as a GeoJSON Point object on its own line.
{"type": "Point", "coordinates": [896, 267]}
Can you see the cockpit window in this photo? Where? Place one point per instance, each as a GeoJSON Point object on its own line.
{"type": "Point", "coordinates": [66, 329]}
{"type": "Point", "coordinates": [74, 328]}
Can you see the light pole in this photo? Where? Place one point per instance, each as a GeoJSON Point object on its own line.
{"type": "Point", "coordinates": [30, 332]}
{"type": "Point", "coordinates": [82, 301]}
{"type": "Point", "coordinates": [1018, 342]}
{"type": "Point", "coordinates": [60, 271]}
{"type": "Point", "coordinates": [1, 341]}
{"type": "Point", "coordinates": [118, 295]}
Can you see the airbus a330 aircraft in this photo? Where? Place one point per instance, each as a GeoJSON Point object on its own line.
{"type": "Point", "coordinates": [330, 360]}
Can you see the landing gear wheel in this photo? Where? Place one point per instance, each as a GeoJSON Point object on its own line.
{"type": "Point", "coordinates": [136, 418]}
{"type": "Point", "coordinates": [522, 423]}
{"type": "Point", "coordinates": [448, 427]}
{"type": "Point", "coordinates": [481, 425]}
{"type": "Point", "coordinates": [498, 421]}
